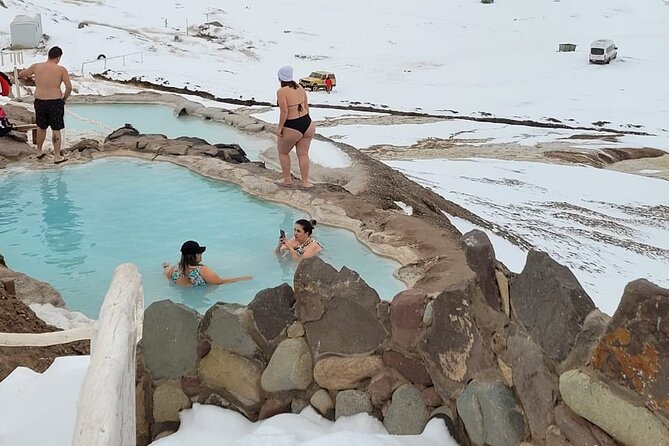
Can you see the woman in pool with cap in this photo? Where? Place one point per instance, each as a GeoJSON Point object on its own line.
{"type": "Point", "coordinates": [295, 127]}
{"type": "Point", "coordinates": [190, 272]}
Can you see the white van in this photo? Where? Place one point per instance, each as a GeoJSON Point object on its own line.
{"type": "Point", "coordinates": [603, 51]}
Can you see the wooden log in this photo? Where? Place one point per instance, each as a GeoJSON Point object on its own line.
{"type": "Point", "coordinates": [26, 127]}
{"type": "Point", "coordinates": [45, 339]}
{"type": "Point", "coordinates": [106, 405]}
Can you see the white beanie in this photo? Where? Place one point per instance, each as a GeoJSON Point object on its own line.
{"type": "Point", "coordinates": [285, 73]}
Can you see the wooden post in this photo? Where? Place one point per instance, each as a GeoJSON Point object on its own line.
{"type": "Point", "coordinates": [17, 83]}
{"type": "Point", "coordinates": [45, 339]}
{"type": "Point", "coordinates": [106, 406]}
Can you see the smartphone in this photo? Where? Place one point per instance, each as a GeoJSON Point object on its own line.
{"type": "Point", "coordinates": [282, 234]}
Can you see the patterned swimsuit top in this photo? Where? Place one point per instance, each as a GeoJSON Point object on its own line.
{"type": "Point", "coordinates": [300, 248]}
{"type": "Point", "coordinates": [193, 276]}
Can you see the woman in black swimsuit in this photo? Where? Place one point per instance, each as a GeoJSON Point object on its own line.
{"type": "Point", "coordinates": [295, 128]}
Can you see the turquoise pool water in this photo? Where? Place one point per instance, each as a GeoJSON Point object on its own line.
{"type": "Point", "coordinates": [72, 226]}
{"type": "Point", "coordinates": [148, 118]}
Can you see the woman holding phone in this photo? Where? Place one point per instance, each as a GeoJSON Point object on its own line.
{"type": "Point", "coordinates": [302, 245]}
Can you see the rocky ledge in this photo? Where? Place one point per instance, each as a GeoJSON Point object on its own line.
{"type": "Point", "coordinates": [503, 360]}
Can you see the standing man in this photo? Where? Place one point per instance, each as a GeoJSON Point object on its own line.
{"type": "Point", "coordinates": [50, 100]}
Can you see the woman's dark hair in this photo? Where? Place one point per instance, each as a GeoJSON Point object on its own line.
{"type": "Point", "coordinates": [291, 84]}
{"type": "Point", "coordinates": [307, 225]}
{"type": "Point", "coordinates": [186, 261]}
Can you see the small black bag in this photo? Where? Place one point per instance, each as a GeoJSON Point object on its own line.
{"type": "Point", "coordinates": [5, 125]}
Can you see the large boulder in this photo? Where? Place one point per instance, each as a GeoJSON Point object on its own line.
{"type": "Point", "coordinates": [29, 290]}
{"type": "Point", "coordinates": [223, 372]}
{"type": "Point", "coordinates": [536, 386]}
{"type": "Point", "coordinates": [622, 417]}
{"type": "Point", "coordinates": [480, 256]}
{"type": "Point", "coordinates": [316, 283]}
{"type": "Point", "coordinates": [224, 325]}
{"type": "Point", "coordinates": [491, 414]}
{"type": "Point", "coordinates": [169, 339]}
{"type": "Point", "coordinates": [634, 351]}
{"type": "Point", "coordinates": [14, 150]}
{"type": "Point", "coordinates": [126, 130]}
{"type": "Point", "coordinates": [547, 299]}
{"type": "Point", "coordinates": [358, 330]}
{"type": "Point", "coordinates": [85, 144]}
{"type": "Point", "coordinates": [326, 298]}
{"type": "Point", "coordinates": [407, 414]}
{"type": "Point", "coordinates": [452, 346]}
{"type": "Point", "coordinates": [231, 153]}
{"type": "Point", "coordinates": [290, 367]}
{"type": "Point", "coordinates": [273, 310]}
{"type": "Point", "coordinates": [339, 373]}
{"type": "Point", "coordinates": [177, 148]}
{"type": "Point", "coordinates": [406, 316]}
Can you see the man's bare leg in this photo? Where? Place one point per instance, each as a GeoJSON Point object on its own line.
{"type": "Point", "coordinates": [41, 136]}
{"type": "Point", "coordinates": [56, 140]}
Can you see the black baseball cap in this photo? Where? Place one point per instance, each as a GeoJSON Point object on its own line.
{"type": "Point", "coordinates": [192, 247]}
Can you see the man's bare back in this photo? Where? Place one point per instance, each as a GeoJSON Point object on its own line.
{"type": "Point", "coordinates": [48, 78]}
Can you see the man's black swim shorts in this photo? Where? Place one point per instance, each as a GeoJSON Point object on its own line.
{"type": "Point", "coordinates": [50, 113]}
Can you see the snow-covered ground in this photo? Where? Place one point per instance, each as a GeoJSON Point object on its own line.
{"type": "Point", "coordinates": [608, 227]}
{"type": "Point", "coordinates": [477, 133]}
{"type": "Point", "coordinates": [211, 425]}
{"type": "Point", "coordinates": [460, 56]}
{"type": "Point", "coordinates": [40, 409]}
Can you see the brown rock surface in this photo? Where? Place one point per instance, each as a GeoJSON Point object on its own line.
{"type": "Point", "coordinates": [272, 310]}
{"type": "Point", "coordinates": [17, 317]}
{"type": "Point", "coordinates": [452, 346]}
{"type": "Point", "coordinates": [29, 290]}
{"type": "Point", "coordinates": [414, 371]}
{"type": "Point", "coordinates": [634, 351]}
{"type": "Point", "coordinates": [536, 385]}
{"type": "Point", "coordinates": [578, 430]}
{"type": "Point", "coordinates": [380, 389]}
{"type": "Point", "coordinates": [548, 300]}
{"type": "Point", "coordinates": [480, 256]}
{"type": "Point", "coordinates": [602, 157]}
{"type": "Point", "coordinates": [339, 373]}
{"type": "Point", "coordinates": [406, 316]}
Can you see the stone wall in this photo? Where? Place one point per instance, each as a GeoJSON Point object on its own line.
{"type": "Point", "coordinates": [501, 359]}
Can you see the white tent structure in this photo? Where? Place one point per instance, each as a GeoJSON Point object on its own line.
{"type": "Point", "coordinates": [26, 31]}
